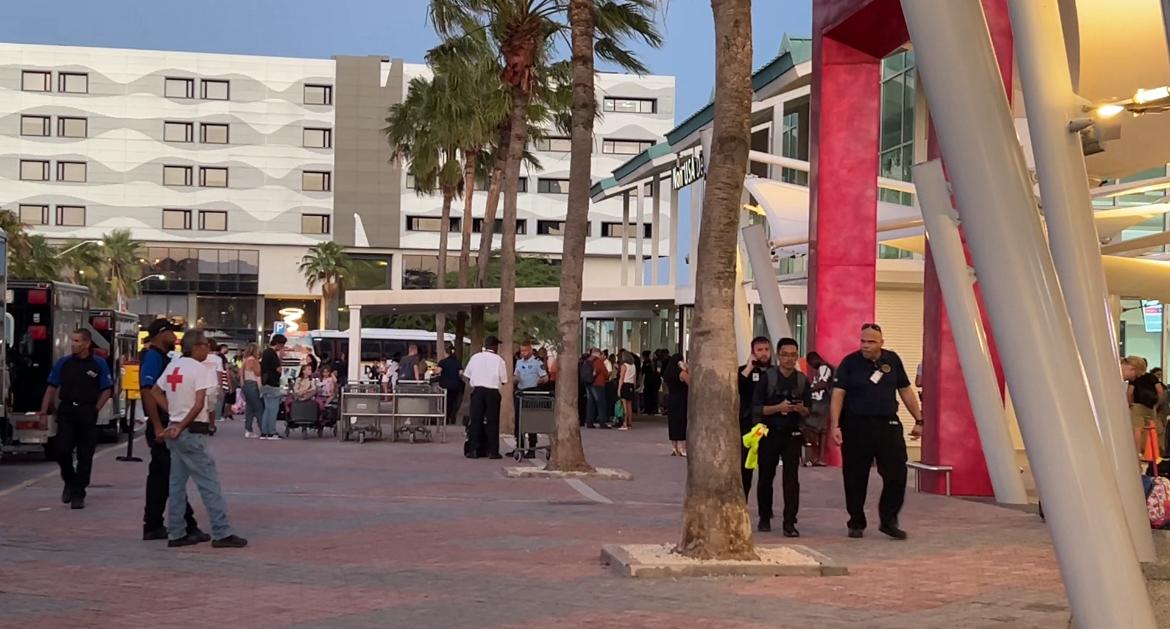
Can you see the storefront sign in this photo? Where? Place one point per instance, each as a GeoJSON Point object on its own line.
{"type": "Point", "coordinates": [688, 171]}
{"type": "Point", "coordinates": [1152, 316]}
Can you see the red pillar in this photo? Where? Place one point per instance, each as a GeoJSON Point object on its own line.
{"type": "Point", "coordinates": [951, 436]}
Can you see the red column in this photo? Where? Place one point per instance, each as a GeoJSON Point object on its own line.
{"type": "Point", "coordinates": [844, 124]}
{"type": "Point", "coordinates": [951, 436]}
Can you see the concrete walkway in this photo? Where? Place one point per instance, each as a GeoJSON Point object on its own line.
{"type": "Point", "coordinates": [414, 535]}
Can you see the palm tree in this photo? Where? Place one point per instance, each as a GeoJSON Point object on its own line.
{"type": "Point", "coordinates": [123, 267]}
{"type": "Point", "coordinates": [39, 261]}
{"type": "Point", "coordinates": [327, 264]}
{"type": "Point", "coordinates": [715, 518]}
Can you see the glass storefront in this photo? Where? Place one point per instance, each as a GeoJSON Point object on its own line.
{"type": "Point", "coordinates": [230, 271]}
{"type": "Point", "coordinates": [897, 124]}
{"type": "Point", "coordinates": [151, 307]}
{"type": "Point", "coordinates": [228, 314]}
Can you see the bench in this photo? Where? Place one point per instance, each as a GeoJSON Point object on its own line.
{"type": "Point", "coordinates": [919, 467]}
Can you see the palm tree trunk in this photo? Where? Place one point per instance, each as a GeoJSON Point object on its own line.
{"type": "Point", "coordinates": [485, 250]}
{"type": "Point", "coordinates": [519, 132]}
{"type": "Point", "coordinates": [716, 524]}
{"type": "Point", "coordinates": [329, 300]}
{"type": "Point", "coordinates": [440, 315]}
{"type": "Point", "coordinates": [568, 454]}
{"type": "Point", "coordinates": [470, 157]}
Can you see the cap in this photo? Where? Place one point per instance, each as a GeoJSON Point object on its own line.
{"type": "Point", "coordinates": [160, 325]}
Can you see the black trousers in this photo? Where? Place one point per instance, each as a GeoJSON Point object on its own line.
{"type": "Point", "coordinates": [158, 483]}
{"type": "Point", "coordinates": [76, 430]}
{"type": "Point", "coordinates": [516, 421]}
{"type": "Point", "coordinates": [865, 440]}
{"type": "Point", "coordinates": [484, 432]}
{"type": "Point", "coordinates": [454, 401]}
{"type": "Point", "coordinates": [781, 445]}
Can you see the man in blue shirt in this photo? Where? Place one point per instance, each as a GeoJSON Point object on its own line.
{"type": "Point", "coordinates": [530, 375]}
{"type": "Point", "coordinates": [160, 335]}
{"type": "Point", "coordinates": [80, 385]}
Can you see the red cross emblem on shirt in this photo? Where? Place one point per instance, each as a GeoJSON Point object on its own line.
{"type": "Point", "coordinates": [175, 379]}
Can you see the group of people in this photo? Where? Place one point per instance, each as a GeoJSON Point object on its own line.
{"type": "Point", "coordinates": [1149, 405]}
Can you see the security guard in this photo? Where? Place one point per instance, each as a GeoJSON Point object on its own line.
{"type": "Point", "coordinates": [780, 401]}
{"type": "Point", "coordinates": [530, 376]}
{"type": "Point", "coordinates": [864, 421]}
{"type": "Point", "coordinates": [749, 377]}
{"type": "Point", "coordinates": [85, 386]}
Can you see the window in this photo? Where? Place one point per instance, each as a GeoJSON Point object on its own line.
{"type": "Point", "coordinates": [34, 214]}
{"type": "Point", "coordinates": [213, 220]}
{"type": "Point", "coordinates": [430, 224]}
{"type": "Point", "coordinates": [550, 228]}
{"type": "Point", "coordinates": [498, 226]}
{"type": "Point", "coordinates": [176, 219]}
{"type": "Point", "coordinates": [70, 216]}
{"type": "Point", "coordinates": [410, 181]}
{"type": "Point", "coordinates": [179, 131]}
{"type": "Point", "coordinates": [34, 125]}
{"type": "Point", "coordinates": [73, 82]}
{"type": "Point", "coordinates": [552, 186]}
{"type": "Point", "coordinates": [35, 81]}
{"type": "Point", "coordinates": [213, 133]}
{"type": "Point", "coordinates": [630, 105]}
{"type": "Point", "coordinates": [616, 230]}
{"type": "Point", "coordinates": [213, 177]}
{"type": "Point", "coordinates": [179, 88]}
{"type": "Point", "coordinates": [897, 124]}
{"type": "Point", "coordinates": [625, 147]}
{"type": "Point", "coordinates": [314, 223]}
{"type": "Point", "coordinates": [34, 170]}
{"type": "Point", "coordinates": [316, 181]}
{"type": "Point", "coordinates": [71, 171]}
{"type": "Point", "coordinates": [318, 94]}
{"type": "Point", "coordinates": [178, 175]}
{"type": "Point", "coordinates": [214, 90]}
{"type": "Point", "coordinates": [553, 144]}
{"type": "Point", "coordinates": [72, 127]}
{"type": "Point", "coordinates": [522, 184]}
{"type": "Point", "coordinates": [317, 138]}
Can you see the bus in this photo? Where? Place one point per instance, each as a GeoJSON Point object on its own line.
{"type": "Point", "coordinates": [378, 344]}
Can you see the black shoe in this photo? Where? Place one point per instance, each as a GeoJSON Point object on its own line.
{"type": "Point", "coordinates": [155, 534]}
{"type": "Point", "coordinates": [231, 541]}
{"type": "Point", "coordinates": [198, 535]}
{"type": "Point", "coordinates": [77, 502]}
{"type": "Point", "coordinates": [185, 540]}
{"type": "Point", "coordinates": [856, 533]}
{"type": "Point", "coordinates": [495, 455]}
{"type": "Point", "coordinates": [606, 426]}
{"type": "Point", "coordinates": [66, 495]}
{"type": "Point", "coordinates": [790, 531]}
{"type": "Point", "coordinates": [893, 531]}
{"type": "Point", "coordinates": [471, 455]}
{"type": "Point", "coordinates": [530, 454]}
{"type": "Point", "coordinates": [765, 525]}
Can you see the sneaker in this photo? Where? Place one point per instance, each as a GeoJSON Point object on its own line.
{"type": "Point", "coordinates": [248, 434]}
{"type": "Point", "coordinates": [267, 437]}
{"type": "Point", "coordinates": [78, 502]}
{"type": "Point", "coordinates": [185, 540]}
{"type": "Point", "coordinates": [231, 541]}
{"type": "Point", "coordinates": [198, 535]}
{"type": "Point", "coordinates": [275, 437]}
{"type": "Point", "coordinates": [156, 534]}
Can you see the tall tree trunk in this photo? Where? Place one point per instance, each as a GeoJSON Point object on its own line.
{"type": "Point", "coordinates": [329, 302]}
{"type": "Point", "coordinates": [568, 454]}
{"type": "Point", "coordinates": [470, 157]}
{"type": "Point", "coordinates": [444, 232]}
{"type": "Point", "coordinates": [519, 132]}
{"type": "Point", "coordinates": [716, 524]}
{"type": "Point", "coordinates": [485, 241]}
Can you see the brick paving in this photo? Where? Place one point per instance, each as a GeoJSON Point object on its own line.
{"type": "Point", "coordinates": [414, 535]}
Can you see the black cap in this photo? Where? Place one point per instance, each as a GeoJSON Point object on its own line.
{"type": "Point", "coordinates": [160, 325]}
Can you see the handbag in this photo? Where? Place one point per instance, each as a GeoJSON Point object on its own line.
{"type": "Point", "coordinates": [619, 411]}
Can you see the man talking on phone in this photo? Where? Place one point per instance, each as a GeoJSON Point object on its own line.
{"type": "Point", "coordinates": [749, 378]}
{"type": "Point", "coordinates": [780, 400]}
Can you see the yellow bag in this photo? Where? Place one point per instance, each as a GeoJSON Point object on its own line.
{"type": "Point", "coordinates": [751, 441]}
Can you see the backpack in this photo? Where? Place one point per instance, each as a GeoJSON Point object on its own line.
{"type": "Point", "coordinates": [1158, 502]}
{"type": "Point", "coordinates": [774, 382]}
{"type": "Point", "coordinates": [585, 372]}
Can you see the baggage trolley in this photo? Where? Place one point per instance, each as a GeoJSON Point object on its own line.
{"type": "Point", "coordinates": [417, 406]}
{"type": "Point", "coordinates": [535, 414]}
{"type": "Point", "coordinates": [363, 406]}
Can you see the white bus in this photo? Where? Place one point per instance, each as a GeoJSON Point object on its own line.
{"type": "Point", "coordinates": [378, 344]}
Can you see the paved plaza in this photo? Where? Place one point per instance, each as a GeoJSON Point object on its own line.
{"type": "Point", "coordinates": [415, 535]}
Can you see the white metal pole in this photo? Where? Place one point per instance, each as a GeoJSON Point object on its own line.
{"type": "Point", "coordinates": [354, 359]}
{"type": "Point", "coordinates": [639, 233]}
{"type": "Point", "coordinates": [625, 238]}
{"type": "Point", "coordinates": [1072, 235]}
{"type": "Point", "coordinates": [755, 242]}
{"type": "Point", "coordinates": [955, 280]}
{"type": "Point", "coordinates": [1029, 318]}
{"type": "Point", "coordinates": [676, 253]}
{"type": "Point", "coordinates": [655, 231]}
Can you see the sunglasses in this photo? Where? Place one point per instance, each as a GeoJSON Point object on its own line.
{"type": "Point", "coordinates": [871, 326]}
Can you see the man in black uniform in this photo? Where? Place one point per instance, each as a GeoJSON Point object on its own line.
{"type": "Point", "coordinates": [85, 386]}
{"type": "Point", "coordinates": [863, 420]}
{"type": "Point", "coordinates": [749, 376]}
{"type": "Point", "coordinates": [781, 398]}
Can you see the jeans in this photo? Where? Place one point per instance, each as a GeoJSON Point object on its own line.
{"type": "Point", "coordinates": [76, 429]}
{"type": "Point", "coordinates": [253, 405]}
{"type": "Point", "coordinates": [158, 484]}
{"type": "Point", "coordinates": [596, 405]}
{"type": "Point", "coordinates": [272, 397]}
{"type": "Point", "coordinates": [190, 458]}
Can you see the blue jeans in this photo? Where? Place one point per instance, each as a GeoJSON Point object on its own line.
{"type": "Point", "coordinates": [253, 405]}
{"type": "Point", "coordinates": [190, 458]}
{"type": "Point", "coordinates": [272, 397]}
{"type": "Point", "coordinates": [595, 407]}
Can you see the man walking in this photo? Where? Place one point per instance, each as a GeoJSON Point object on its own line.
{"type": "Point", "coordinates": [270, 390]}
{"type": "Point", "coordinates": [780, 400]}
{"type": "Point", "coordinates": [84, 385]}
{"type": "Point", "coordinates": [487, 374]}
{"type": "Point", "coordinates": [863, 420]}
{"type": "Point", "coordinates": [184, 394]}
{"type": "Point", "coordinates": [450, 378]}
{"type": "Point", "coordinates": [160, 335]}
{"type": "Point", "coordinates": [596, 414]}
{"type": "Point", "coordinates": [530, 376]}
{"type": "Point", "coordinates": [749, 376]}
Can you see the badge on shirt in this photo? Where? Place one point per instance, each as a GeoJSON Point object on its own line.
{"type": "Point", "coordinates": [876, 377]}
{"type": "Point", "coordinates": [885, 368]}
{"type": "Point", "coordinates": [755, 376]}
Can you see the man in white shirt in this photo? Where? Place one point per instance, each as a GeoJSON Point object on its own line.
{"type": "Point", "coordinates": [182, 392]}
{"type": "Point", "coordinates": [487, 373]}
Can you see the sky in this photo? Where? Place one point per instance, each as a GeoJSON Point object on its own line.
{"type": "Point", "coordinates": [389, 28]}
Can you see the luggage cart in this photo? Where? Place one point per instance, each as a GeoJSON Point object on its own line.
{"type": "Point", "coordinates": [363, 407]}
{"type": "Point", "coordinates": [417, 406]}
{"type": "Point", "coordinates": [303, 414]}
{"type": "Point", "coordinates": [535, 414]}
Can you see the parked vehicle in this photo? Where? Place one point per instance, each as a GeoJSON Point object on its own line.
{"type": "Point", "coordinates": [115, 338]}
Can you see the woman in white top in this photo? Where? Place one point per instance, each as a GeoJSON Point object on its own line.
{"type": "Point", "coordinates": [627, 380]}
{"type": "Point", "coordinates": [250, 383]}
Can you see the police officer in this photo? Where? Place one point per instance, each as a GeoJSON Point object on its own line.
{"type": "Point", "coordinates": [781, 399]}
{"type": "Point", "coordinates": [749, 376]}
{"type": "Point", "coordinates": [85, 386]}
{"type": "Point", "coordinates": [530, 375]}
{"type": "Point", "coordinates": [863, 420]}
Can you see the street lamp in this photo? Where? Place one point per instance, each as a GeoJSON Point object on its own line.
{"type": "Point", "coordinates": [156, 276]}
{"type": "Point", "coordinates": [84, 242]}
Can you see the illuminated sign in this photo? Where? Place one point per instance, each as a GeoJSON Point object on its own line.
{"type": "Point", "coordinates": [290, 324]}
{"type": "Point", "coordinates": [1152, 316]}
{"type": "Point", "coordinates": [688, 171]}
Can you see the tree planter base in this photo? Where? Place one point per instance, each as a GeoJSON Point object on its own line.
{"type": "Point", "coordinates": [601, 473]}
{"type": "Point", "coordinates": [660, 560]}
